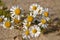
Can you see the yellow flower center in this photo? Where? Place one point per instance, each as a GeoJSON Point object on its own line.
{"type": "Point", "coordinates": [7, 24]}
{"type": "Point", "coordinates": [34, 31]}
{"type": "Point", "coordinates": [16, 21]}
{"type": "Point", "coordinates": [27, 32]}
{"type": "Point", "coordinates": [28, 25]}
{"type": "Point", "coordinates": [17, 11]}
{"type": "Point", "coordinates": [1, 19]}
{"type": "Point", "coordinates": [34, 7]}
{"type": "Point", "coordinates": [46, 14]}
{"type": "Point", "coordinates": [29, 18]}
{"type": "Point", "coordinates": [43, 21]}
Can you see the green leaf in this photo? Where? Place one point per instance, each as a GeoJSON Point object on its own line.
{"type": "Point", "coordinates": [1, 12]}
{"type": "Point", "coordinates": [4, 13]}
{"type": "Point", "coordinates": [1, 3]}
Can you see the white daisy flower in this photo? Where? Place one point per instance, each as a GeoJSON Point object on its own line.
{"type": "Point", "coordinates": [34, 31]}
{"type": "Point", "coordinates": [34, 7]}
{"type": "Point", "coordinates": [46, 18]}
{"type": "Point", "coordinates": [26, 34]}
{"type": "Point", "coordinates": [36, 12]}
{"type": "Point", "coordinates": [45, 12]}
{"type": "Point", "coordinates": [43, 23]}
{"type": "Point", "coordinates": [16, 11]}
{"type": "Point", "coordinates": [39, 10]}
{"type": "Point", "coordinates": [7, 24]}
{"type": "Point", "coordinates": [30, 18]}
{"type": "Point", "coordinates": [1, 20]}
{"type": "Point", "coordinates": [16, 19]}
{"type": "Point", "coordinates": [33, 14]}
{"type": "Point", "coordinates": [26, 24]}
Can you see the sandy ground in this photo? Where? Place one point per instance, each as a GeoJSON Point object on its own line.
{"type": "Point", "coordinates": [54, 10]}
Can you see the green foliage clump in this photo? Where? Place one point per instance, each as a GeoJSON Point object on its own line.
{"type": "Point", "coordinates": [3, 10]}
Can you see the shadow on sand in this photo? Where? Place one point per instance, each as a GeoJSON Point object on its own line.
{"type": "Point", "coordinates": [53, 26]}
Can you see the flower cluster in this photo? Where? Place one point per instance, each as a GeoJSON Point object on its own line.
{"type": "Point", "coordinates": [37, 19]}
{"type": "Point", "coordinates": [31, 22]}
